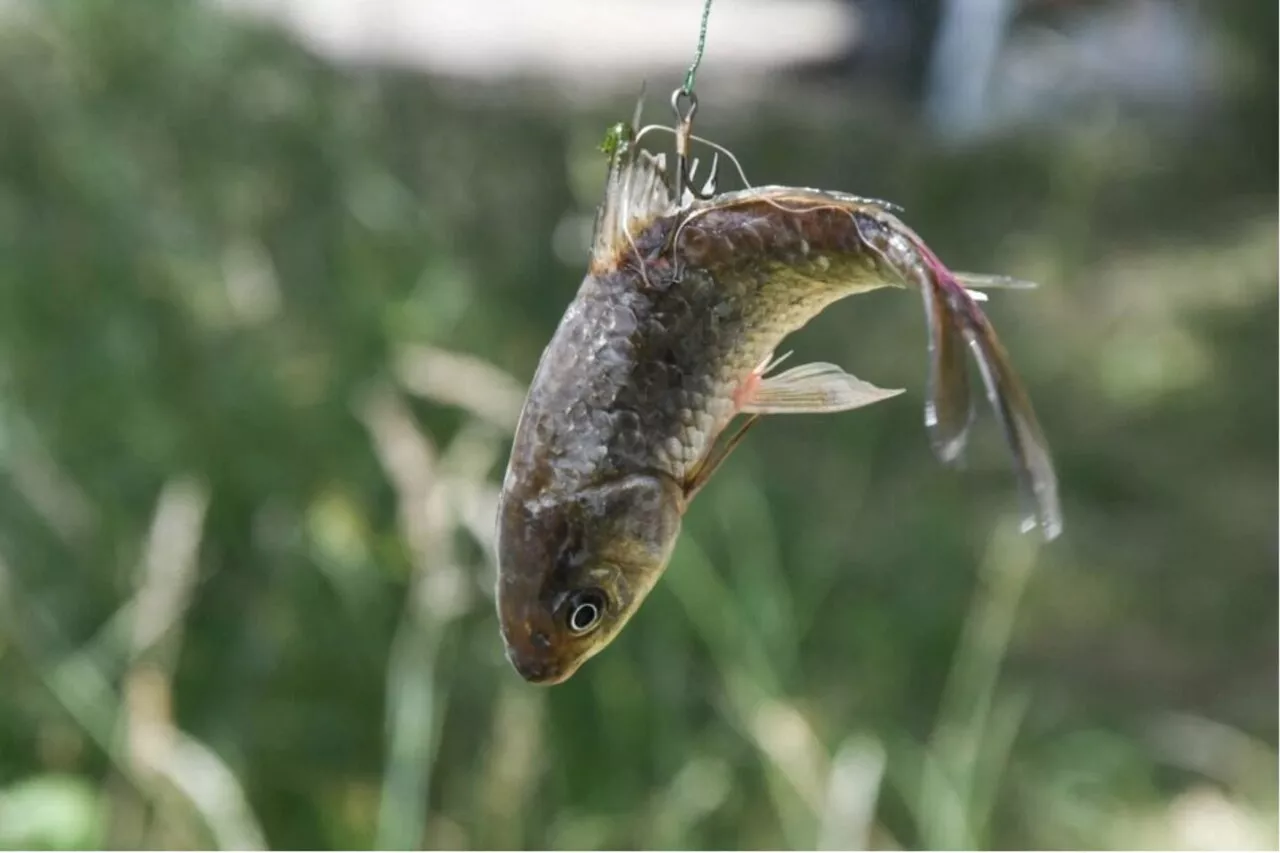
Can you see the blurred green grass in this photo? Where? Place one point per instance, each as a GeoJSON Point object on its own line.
{"type": "Point", "coordinates": [263, 325]}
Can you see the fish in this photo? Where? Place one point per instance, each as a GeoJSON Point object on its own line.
{"type": "Point", "coordinates": [673, 335]}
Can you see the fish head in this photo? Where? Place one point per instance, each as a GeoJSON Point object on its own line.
{"type": "Point", "coordinates": [574, 567]}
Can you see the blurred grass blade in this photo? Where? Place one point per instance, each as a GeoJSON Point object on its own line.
{"type": "Point", "coordinates": [512, 766]}
{"type": "Point", "coordinates": [700, 787]}
{"type": "Point", "coordinates": [961, 768]}
{"type": "Point", "coordinates": [939, 813]}
{"type": "Point", "coordinates": [211, 786]}
{"type": "Point", "coordinates": [853, 790]}
{"type": "Point", "coordinates": [793, 757]}
{"type": "Point", "coordinates": [415, 694]}
{"type": "Point", "coordinates": [169, 565]}
{"type": "Point", "coordinates": [413, 704]}
{"type": "Point", "coordinates": [461, 380]}
{"type": "Point", "coordinates": [1002, 728]}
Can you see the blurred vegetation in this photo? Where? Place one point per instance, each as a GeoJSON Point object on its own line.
{"type": "Point", "coordinates": [264, 326]}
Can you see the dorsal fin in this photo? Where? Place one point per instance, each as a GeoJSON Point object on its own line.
{"type": "Point", "coordinates": [636, 194]}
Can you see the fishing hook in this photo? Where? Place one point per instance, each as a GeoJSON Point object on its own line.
{"type": "Point", "coordinates": [683, 170]}
{"type": "Point", "coordinates": [684, 130]}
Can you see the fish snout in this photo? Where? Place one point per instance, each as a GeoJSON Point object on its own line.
{"type": "Point", "coordinates": [537, 667]}
{"type": "Point", "coordinates": [529, 651]}
{"type": "Point", "coordinates": [536, 670]}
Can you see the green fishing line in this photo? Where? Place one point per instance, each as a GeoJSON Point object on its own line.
{"type": "Point", "coordinates": [697, 54]}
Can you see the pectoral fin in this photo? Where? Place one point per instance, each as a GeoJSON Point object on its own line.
{"type": "Point", "coordinates": [813, 389]}
{"type": "Point", "coordinates": [810, 388]}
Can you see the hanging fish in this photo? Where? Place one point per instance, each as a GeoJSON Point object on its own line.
{"type": "Point", "coordinates": [671, 336]}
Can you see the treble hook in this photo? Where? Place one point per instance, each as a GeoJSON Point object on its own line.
{"type": "Point", "coordinates": [684, 171]}
{"type": "Point", "coordinates": [684, 129]}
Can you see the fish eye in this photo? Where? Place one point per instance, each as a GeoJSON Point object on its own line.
{"type": "Point", "coordinates": [586, 608]}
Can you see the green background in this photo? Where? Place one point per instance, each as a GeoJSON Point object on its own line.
{"type": "Point", "coordinates": [264, 325]}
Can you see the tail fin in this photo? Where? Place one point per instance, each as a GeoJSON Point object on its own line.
{"type": "Point", "coordinates": [955, 320]}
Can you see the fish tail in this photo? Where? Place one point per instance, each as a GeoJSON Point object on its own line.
{"type": "Point", "coordinates": [956, 322]}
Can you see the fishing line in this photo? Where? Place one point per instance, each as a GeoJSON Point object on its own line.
{"type": "Point", "coordinates": [687, 88]}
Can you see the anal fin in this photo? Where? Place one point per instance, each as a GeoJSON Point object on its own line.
{"type": "Point", "coordinates": [816, 388]}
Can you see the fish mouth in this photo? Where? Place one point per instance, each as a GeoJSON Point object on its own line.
{"type": "Point", "coordinates": [541, 671]}
{"type": "Point", "coordinates": [530, 654]}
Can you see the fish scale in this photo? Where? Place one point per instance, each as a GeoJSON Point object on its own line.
{"type": "Point", "coordinates": [650, 360]}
